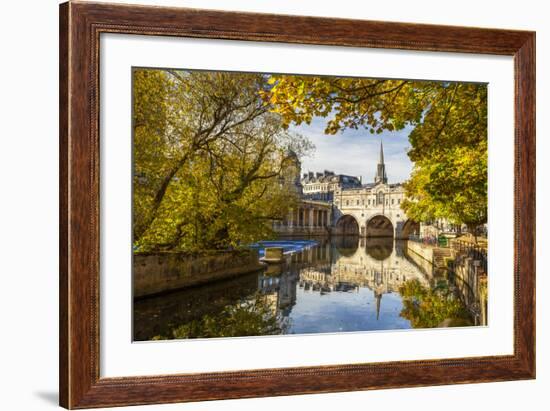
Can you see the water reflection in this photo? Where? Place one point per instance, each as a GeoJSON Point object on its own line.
{"type": "Point", "coordinates": [343, 284]}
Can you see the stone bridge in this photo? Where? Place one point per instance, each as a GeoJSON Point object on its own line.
{"type": "Point", "coordinates": [372, 212]}
{"type": "Point", "coordinates": [341, 205]}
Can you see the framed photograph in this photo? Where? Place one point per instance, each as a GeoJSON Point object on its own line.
{"type": "Point", "coordinates": [259, 205]}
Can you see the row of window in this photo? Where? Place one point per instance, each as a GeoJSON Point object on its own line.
{"type": "Point", "coordinates": [379, 201]}
{"type": "Point", "coordinates": [320, 196]}
{"type": "Point", "coordinates": [310, 188]}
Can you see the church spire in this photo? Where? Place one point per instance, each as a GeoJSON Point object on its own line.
{"type": "Point", "coordinates": [381, 169]}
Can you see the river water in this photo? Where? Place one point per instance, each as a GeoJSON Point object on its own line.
{"type": "Point", "coordinates": [337, 285]}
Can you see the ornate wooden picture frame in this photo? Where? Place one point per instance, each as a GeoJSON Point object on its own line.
{"type": "Point", "coordinates": [80, 27]}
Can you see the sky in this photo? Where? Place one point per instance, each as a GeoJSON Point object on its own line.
{"type": "Point", "coordinates": [356, 152]}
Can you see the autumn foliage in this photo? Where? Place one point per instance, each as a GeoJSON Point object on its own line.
{"type": "Point", "coordinates": [448, 138]}
{"type": "Point", "coordinates": [211, 161]}
{"type": "Point", "coordinates": [214, 159]}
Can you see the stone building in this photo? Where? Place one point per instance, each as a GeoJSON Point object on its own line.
{"type": "Point", "coordinates": [374, 210]}
{"type": "Point", "coordinates": [338, 204]}
{"type": "Point", "coordinates": [321, 186]}
{"type": "Point", "coordinates": [311, 217]}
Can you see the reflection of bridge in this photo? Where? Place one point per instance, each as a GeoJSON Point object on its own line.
{"type": "Point", "coordinates": [345, 265]}
{"type": "Point", "coordinates": [378, 265]}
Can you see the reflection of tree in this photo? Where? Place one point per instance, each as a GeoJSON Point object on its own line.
{"type": "Point", "coordinates": [249, 317]}
{"type": "Point", "coordinates": [427, 308]}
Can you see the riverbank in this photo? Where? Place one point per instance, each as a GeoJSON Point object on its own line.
{"type": "Point", "coordinates": [463, 268]}
{"type": "Point", "coordinates": [336, 285]}
{"type": "Point", "coordinates": [156, 273]}
{"type": "Point", "coordinates": [436, 256]}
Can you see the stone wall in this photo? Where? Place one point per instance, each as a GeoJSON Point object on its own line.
{"type": "Point", "coordinates": [436, 256]}
{"type": "Point", "coordinates": [422, 250]}
{"type": "Point", "coordinates": [425, 265]}
{"type": "Point", "coordinates": [296, 231]}
{"type": "Point", "coordinates": [160, 272]}
{"type": "Point", "coordinates": [472, 284]}
{"type": "Point", "coordinates": [466, 272]}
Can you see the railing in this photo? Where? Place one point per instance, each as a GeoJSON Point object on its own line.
{"type": "Point", "coordinates": [473, 250]}
{"type": "Point", "coordinates": [427, 240]}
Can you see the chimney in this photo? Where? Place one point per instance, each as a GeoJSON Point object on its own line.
{"type": "Point", "coordinates": [310, 175]}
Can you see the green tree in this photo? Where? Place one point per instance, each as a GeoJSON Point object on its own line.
{"type": "Point", "coordinates": [210, 160]}
{"type": "Point", "coordinates": [448, 138]}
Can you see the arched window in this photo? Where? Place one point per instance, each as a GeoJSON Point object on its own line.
{"type": "Point", "coordinates": [380, 198]}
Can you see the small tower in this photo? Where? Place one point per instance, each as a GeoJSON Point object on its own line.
{"type": "Point", "coordinates": [292, 171]}
{"type": "Point", "coordinates": [381, 169]}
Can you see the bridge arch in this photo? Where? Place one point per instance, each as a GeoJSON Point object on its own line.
{"type": "Point", "coordinates": [347, 225]}
{"type": "Point", "coordinates": [409, 228]}
{"type": "Point", "coordinates": [379, 226]}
